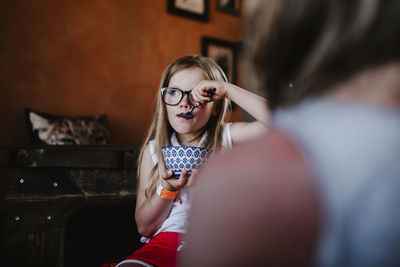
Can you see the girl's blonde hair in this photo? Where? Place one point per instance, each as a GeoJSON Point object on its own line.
{"type": "Point", "coordinates": [160, 129]}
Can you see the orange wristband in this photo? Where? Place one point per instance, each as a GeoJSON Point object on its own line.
{"type": "Point", "coordinates": [166, 194]}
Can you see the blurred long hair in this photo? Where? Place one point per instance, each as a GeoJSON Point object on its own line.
{"type": "Point", "coordinates": [302, 48]}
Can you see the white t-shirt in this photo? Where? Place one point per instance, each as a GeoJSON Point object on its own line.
{"type": "Point", "coordinates": [178, 218]}
{"type": "Point", "coordinates": [354, 152]}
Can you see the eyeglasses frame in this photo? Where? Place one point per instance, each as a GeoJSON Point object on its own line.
{"type": "Point", "coordinates": [183, 95]}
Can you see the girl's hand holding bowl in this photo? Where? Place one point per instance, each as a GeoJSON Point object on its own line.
{"type": "Point", "coordinates": [172, 183]}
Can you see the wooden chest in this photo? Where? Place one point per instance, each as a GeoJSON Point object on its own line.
{"type": "Point", "coordinates": [43, 185]}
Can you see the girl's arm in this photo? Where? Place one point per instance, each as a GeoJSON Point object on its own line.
{"type": "Point", "coordinates": [151, 212]}
{"type": "Point", "coordinates": [253, 104]}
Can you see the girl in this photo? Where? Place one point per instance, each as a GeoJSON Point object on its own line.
{"type": "Point", "coordinates": [163, 202]}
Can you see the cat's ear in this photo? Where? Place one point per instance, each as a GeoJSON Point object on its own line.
{"type": "Point", "coordinates": [38, 122]}
{"type": "Point", "coordinates": [42, 125]}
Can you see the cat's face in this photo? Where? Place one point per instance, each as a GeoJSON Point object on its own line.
{"type": "Point", "coordinates": [42, 125]}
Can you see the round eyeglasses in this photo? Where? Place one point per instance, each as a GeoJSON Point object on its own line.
{"type": "Point", "coordinates": [173, 96]}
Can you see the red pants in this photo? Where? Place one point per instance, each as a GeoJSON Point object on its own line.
{"type": "Point", "coordinates": [161, 251]}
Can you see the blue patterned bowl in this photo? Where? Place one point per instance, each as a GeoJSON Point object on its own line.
{"type": "Point", "coordinates": [179, 158]}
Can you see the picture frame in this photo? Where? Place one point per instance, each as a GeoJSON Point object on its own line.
{"type": "Point", "coordinates": [192, 9]}
{"type": "Point", "coordinates": [223, 52]}
{"type": "Point", "coordinates": [229, 6]}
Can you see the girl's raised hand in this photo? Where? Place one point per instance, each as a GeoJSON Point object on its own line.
{"type": "Point", "coordinates": [200, 93]}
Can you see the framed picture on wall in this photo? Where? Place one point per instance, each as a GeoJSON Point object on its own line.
{"type": "Point", "coordinates": [192, 9]}
{"type": "Point", "coordinates": [224, 53]}
{"type": "Point", "coordinates": [229, 6]}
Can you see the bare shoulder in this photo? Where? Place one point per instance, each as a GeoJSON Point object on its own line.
{"type": "Point", "coordinates": [242, 132]}
{"type": "Point", "coordinates": [252, 199]}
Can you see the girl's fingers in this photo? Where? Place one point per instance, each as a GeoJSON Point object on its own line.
{"type": "Point", "coordinates": [167, 174]}
{"type": "Point", "coordinates": [198, 96]}
{"type": "Point", "coordinates": [202, 88]}
{"type": "Point", "coordinates": [175, 183]}
{"type": "Point", "coordinates": [201, 98]}
{"type": "Point", "coordinates": [192, 179]}
{"type": "Point", "coordinates": [182, 180]}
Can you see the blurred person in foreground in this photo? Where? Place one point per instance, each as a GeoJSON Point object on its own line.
{"type": "Point", "coordinates": [322, 188]}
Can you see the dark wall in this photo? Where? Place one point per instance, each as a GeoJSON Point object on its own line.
{"type": "Point", "coordinates": [72, 57]}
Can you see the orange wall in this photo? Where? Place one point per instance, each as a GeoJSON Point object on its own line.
{"type": "Point", "coordinates": [73, 57]}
